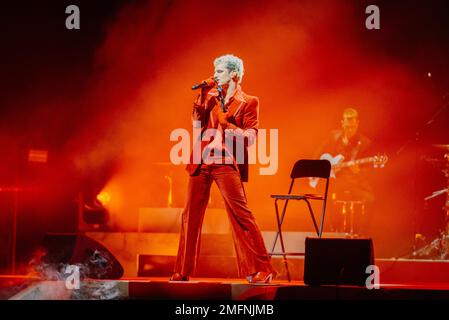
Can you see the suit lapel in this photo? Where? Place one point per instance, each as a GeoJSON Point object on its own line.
{"type": "Point", "coordinates": [235, 107]}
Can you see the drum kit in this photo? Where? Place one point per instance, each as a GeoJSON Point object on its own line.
{"type": "Point", "coordinates": [439, 248]}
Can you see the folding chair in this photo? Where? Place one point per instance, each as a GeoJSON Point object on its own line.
{"type": "Point", "coordinates": [302, 169]}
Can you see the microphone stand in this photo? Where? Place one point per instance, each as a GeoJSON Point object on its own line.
{"type": "Point", "coordinates": [417, 136]}
{"type": "Point", "coordinates": [427, 124]}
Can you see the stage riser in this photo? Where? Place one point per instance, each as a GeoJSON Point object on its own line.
{"type": "Point", "coordinates": [413, 271]}
{"type": "Point", "coordinates": [127, 247]}
{"type": "Point", "coordinates": [391, 271]}
{"type": "Point", "coordinates": [212, 267]}
{"type": "Point", "coordinates": [208, 266]}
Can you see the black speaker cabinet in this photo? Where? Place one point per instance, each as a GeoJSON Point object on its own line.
{"type": "Point", "coordinates": [337, 261]}
{"type": "Point", "coordinates": [95, 260]}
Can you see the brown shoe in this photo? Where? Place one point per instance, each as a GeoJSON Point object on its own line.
{"type": "Point", "coordinates": [179, 277]}
{"type": "Point", "coordinates": [260, 277]}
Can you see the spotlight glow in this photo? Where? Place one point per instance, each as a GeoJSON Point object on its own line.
{"type": "Point", "coordinates": [104, 198]}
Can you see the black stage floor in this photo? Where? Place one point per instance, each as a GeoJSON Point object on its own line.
{"type": "Point", "coordinates": [22, 288]}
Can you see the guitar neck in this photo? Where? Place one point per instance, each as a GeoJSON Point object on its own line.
{"type": "Point", "coordinates": [355, 162]}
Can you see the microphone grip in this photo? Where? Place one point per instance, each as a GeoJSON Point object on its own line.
{"type": "Point", "coordinates": [200, 85]}
{"type": "Point", "coordinates": [204, 84]}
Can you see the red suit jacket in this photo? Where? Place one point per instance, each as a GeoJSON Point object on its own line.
{"type": "Point", "coordinates": [243, 112]}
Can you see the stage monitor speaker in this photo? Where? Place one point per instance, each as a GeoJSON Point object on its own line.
{"type": "Point", "coordinates": [94, 260]}
{"type": "Point", "coordinates": [337, 261]}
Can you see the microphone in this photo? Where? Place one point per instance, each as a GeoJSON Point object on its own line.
{"type": "Point", "coordinates": [206, 83]}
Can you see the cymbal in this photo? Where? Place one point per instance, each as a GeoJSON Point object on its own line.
{"type": "Point", "coordinates": [442, 146]}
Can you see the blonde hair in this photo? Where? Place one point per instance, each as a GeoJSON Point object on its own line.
{"type": "Point", "coordinates": [232, 63]}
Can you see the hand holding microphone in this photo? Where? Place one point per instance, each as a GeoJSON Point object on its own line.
{"type": "Point", "coordinates": [208, 83]}
{"type": "Point", "coordinates": [205, 86]}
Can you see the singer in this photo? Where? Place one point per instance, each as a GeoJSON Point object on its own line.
{"type": "Point", "coordinates": [224, 106]}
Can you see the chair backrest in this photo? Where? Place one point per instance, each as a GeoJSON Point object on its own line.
{"type": "Point", "coordinates": [311, 168]}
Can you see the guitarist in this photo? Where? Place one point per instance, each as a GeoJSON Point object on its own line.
{"type": "Point", "coordinates": [351, 182]}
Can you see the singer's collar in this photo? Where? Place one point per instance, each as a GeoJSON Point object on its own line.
{"type": "Point", "coordinates": [237, 95]}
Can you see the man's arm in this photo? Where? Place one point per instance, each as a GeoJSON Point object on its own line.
{"type": "Point", "coordinates": [198, 109]}
{"type": "Point", "coordinates": [201, 105]}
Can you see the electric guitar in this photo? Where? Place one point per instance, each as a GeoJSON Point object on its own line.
{"type": "Point", "coordinates": [337, 163]}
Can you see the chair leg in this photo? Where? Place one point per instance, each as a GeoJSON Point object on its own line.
{"type": "Point", "coordinates": [282, 240]}
{"type": "Point", "coordinates": [323, 211]}
{"type": "Point", "coordinates": [281, 221]}
{"type": "Point", "coordinates": [313, 217]}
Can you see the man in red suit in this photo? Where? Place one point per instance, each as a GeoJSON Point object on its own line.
{"type": "Point", "coordinates": [223, 108]}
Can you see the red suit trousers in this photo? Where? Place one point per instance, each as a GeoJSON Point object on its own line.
{"type": "Point", "coordinates": [250, 249]}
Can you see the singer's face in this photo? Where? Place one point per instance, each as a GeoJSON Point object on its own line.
{"type": "Point", "coordinates": [222, 75]}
